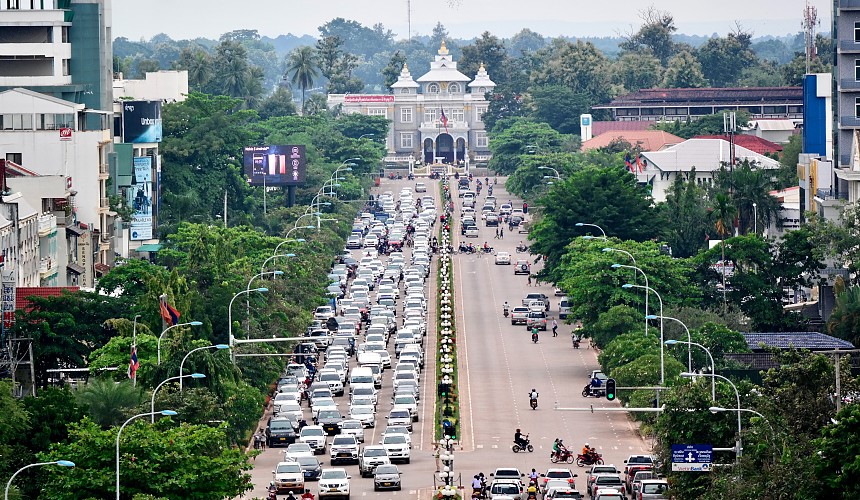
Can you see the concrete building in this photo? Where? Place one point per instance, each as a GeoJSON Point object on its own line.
{"type": "Point", "coordinates": [165, 85]}
{"type": "Point", "coordinates": [707, 156]}
{"type": "Point", "coordinates": [436, 119]}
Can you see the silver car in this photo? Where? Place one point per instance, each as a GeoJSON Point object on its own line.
{"type": "Point", "coordinates": [386, 477]}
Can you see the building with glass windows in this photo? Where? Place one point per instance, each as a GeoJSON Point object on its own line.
{"type": "Point", "coordinates": [434, 119]}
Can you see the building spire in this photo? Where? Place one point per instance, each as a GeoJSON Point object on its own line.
{"type": "Point", "coordinates": [443, 50]}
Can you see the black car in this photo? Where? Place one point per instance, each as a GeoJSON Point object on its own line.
{"type": "Point", "coordinates": [281, 431]}
{"type": "Point", "coordinates": [330, 421]}
{"type": "Point", "coordinates": [311, 467]}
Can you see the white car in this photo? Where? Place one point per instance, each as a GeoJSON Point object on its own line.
{"type": "Point", "coordinates": [371, 458]}
{"type": "Point", "coordinates": [503, 259]}
{"type": "Point", "coordinates": [398, 429]}
{"type": "Point", "coordinates": [296, 450]}
{"type": "Point", "coordinates": [334, 483]}
{"type": "Point", "coordinates": [365, 414]}
{"type": "Point", "coordinates": [315, 437]}
{"type": "Point", "coordinates": [290, 409]}
{"type": "Point", "coordinates": [420, 187]}
{"type": "Point", "coordinates": [332, 378]}
{"type": "Point", "coordinates": [409, 402]}
{"type": "Point", "coordinates": [352, 428]}
{"type": "Point", "coordinates": [354, 241]}
{"type": "Point", "coordinates": [396, 447]}
{"type": "Point", "coordinates": [400, 415]}
{"type": "Point", "coordinates": [344, 448]}
{"type": "Point", "coordinates": [371, 240]}
{"type": "Point", "coordinates": [288, 476]}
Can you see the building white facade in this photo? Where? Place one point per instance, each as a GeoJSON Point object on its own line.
{"type": "Point", "coordinates": [165, 85]}
{"type": "Point", "coordinates": [707, 156]}
{"type": "Point", "coordinates": [436, 119]}
{"type": "Point", "coordinates": [21, 250]}
{"type": "Point", "coordinates": [38, 38]}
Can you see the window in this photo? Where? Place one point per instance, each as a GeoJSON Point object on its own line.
{"type": "Point", "coordinates": [433, 88]}
{"type": "Point", "coordinates": [65, 34]}
{"type": "Point", "coordinates": [13, 4]}
{"type": "Point", "coordinates": [458, 115]}
{"type": "Point", "coordinates": [16, 121]}
{"type": "Point", "coordinates": [482, 90]}
{"type": "Point", "coordinates": [857, 70]}
{"type": "Point", "coordinates": [405, 115]}
{"type": "Point", "coordinates": [481, 140]}
{"type": "Point", "coordinates": [857, 107]}
{"type": "Point", "coordinates": [857, 31]}
{"type": "Point", "coordinates": [14, 158]}
{"type": "Point", "coordinates": [404, 91]}
{"type": "Point", "coordinates": [406, 141]}
{"type": "Point", "coordinates": [378, 112]}
{"type": "Point", "coordinates": [67, 67]}
{"type": "Point", "coordinates": [676, 111]}
{"type": "Point", "coordinates": [454, 88]}
{"type": "Point", "coordinates": [479, 112]}
{"type": "Point", "coordinates": [430, 115]}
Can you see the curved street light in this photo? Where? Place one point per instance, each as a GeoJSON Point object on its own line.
{"type": "Point", "coordinates": [158, 346]}
{"type": "Point", "coordinates": [230, 313]}
{"type": "Point", "coordinates": [61, 463]}
{"type": "Point", "coordinates": [583, 224]}
{"type": "Point", "coordinates": [689, 341]}
{"type": "Point", "coordinates": [636, 268]}
{"type": "Point", "coordinates": [662, 360]}
{"type": "Point", "coordinates": [152, 403]}
{"type": "Point", "coordinates": [290, 240]}
{"type": "Point", "coordinates": [192, 351]}
{"type": "Point", "coordinates": [738, 443]}
{"type": "Point", "coordinates": [166, 413]}
{"type": "Point", "coordinates": [713, 366]}
{"type": "Point", "coordinates": [557, 175]}
{"type": "Point", "coordinates": [271, 258]}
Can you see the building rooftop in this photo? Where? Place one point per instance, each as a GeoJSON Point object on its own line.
{"type": "Point", "coordinates": [813, 341]}
{"type": "Point", "coordinates": [600, 127]}
{"type": "Point", "coordinates": [22, 293]}
{"type": "Point", "coordinates": [646, 140]}
{"type": "Point", "coordinates": [751, 142]}
{"type": "Point", "coordinates": [707, 155]}
{"type": "Point", "coordinates": [707, 96]}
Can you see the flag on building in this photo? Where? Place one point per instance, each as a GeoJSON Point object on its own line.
{"type": "Point", "coordinates": [133, 363]}
{"type": "Point", "coordinates": [444, 120]}
{"type": "Point", "coordinates": [641, 162]}
{"type": "Point", "coordinates": [628, 162]}
{"type": "Point", "coordinates": [168, 313]}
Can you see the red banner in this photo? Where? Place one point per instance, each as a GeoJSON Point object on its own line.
{"type": "Point", "coordinates": [368, 98]}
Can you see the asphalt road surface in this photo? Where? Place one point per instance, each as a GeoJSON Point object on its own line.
{"type": "Point", "coordinates": [499, 365]}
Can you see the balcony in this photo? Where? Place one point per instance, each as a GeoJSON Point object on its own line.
{"type": "Point", "coordinates": [849, 122]}
{"type": "Point", "coordinates": [47, 224]}
{"type": "Point", "coordinates": [849, 47]}
{"type": "Point", "coordinates": [848, 4]}
{"type": "Point", "coordinates": [849, 85]}
{"type": "Point", "coordinates": [830, 194]}
{"type": "Point", "coordinates": [431, 126]}
{"type": "Point", "coordinates": [47, 267]}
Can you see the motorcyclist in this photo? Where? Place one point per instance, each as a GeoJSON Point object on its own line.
{"type": "Point", "coordinates": [533, 395]}
{"type": "Point", "coordinates": [520, 439]}
{"type": "Point", "coordinates": [533, 476]}
{"type": "Point", "coordinates": [595, 384]}
{"type": "Point", "coordinates": [477, 486]}
{"type": "Point", "coordinates": [586, 450]}
{"type": "Point", "coordinates": [532, 491]}
{"type": "Point", "coordinates": [307, 495]}
{"type": "Point", "coordinates": [272, 490]}
{"type": "Point", "coordinates": [486, 247]}
{"type": "Point", "coordinates": [290, 495]}
{"type": "Point", "coordinates": [505, 308]}
{"type": "Point", "coordinates": [534, 332]}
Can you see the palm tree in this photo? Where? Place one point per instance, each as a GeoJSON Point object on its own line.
{"type": "Point", "coordinates": [724, 213]}
{"type": "Point", "coordinates": [302, 69]}
{"type": "Point", "coordinates": [108, 402]}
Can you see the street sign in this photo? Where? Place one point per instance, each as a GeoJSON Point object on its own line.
{"type": "Point", "coordinates": [691, 457]}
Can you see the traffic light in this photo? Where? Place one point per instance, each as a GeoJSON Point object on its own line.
{"type": "Point", "coordinates": [610, 389]}
{"type": "Point", "coordinates": [443, 389]}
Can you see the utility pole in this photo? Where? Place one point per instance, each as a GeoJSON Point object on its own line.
{"type": "Point", "coordinates": [809, 23]}
{"type": "Point", "coordinates": [225, 208]}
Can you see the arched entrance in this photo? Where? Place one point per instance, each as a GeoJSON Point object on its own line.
{"type": "Point", "coordinates": [428, 151]}
{"type": "Point", "coordinates": [445, 148]}
{"type": "Point", "coordinates": [460, 155]}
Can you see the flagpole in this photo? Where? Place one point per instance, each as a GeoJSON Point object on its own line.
{"type": "Point", "coordinates": [133, 347]}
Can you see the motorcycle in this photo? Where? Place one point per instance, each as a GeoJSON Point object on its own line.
{"type": "Point", "coordinates": [561, 456]}
{"type": "Point", "coordinates": [533, 404]}
{"type": "Point", "coordinates": [589, 391]}
{"type": "Point", "coordinates": [576, 343]}
{"type": "Point", "coordinates": [522, 248]}
{"type": "Point", "coordinates": [411, 176]}
{"type": "Point", "coordinates": [535, 338]}
{"type": "Point", "coordinates": [589, 459]}
{"type": "Point", "coordinates": [506, 311]}
{"type": "Point", "coordinates": [525, 445]}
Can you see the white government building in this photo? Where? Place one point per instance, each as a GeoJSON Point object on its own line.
{"type": "Point", "coordinates": [418, 133]}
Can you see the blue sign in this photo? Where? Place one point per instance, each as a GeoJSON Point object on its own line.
{"type": "Point", "coordinates": [692, 457]}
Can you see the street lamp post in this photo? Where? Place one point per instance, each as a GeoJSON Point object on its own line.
{"type": "Point", "coordinates": [689, 342]}
{"type": "Point", "coordinates": [167, 413]}
{"type": "Point", "coordinates": [248, 297]}
{"type": "Point", "coordinates": [556, 176]}
{"type": "Point", "coordinates": [583, 224]}
{"type": "Point", "coordinates": [134, 345]}
{"type": "Point", "coordinates": [713, 366]}
{"type": "Point", "coordinates": [62, 463]}
{"type": "Point", "coordinates": [158, 345]}
{"type": "Point", "coordinates": [263, 267]}
{"type": "Point", "coordinates": [230, 313]}
{"type": "Point", "coordinates": [152, 403]}
{"type": "Point", "coordinates": [192, 351]}
{"type": "Point", "coordinates": [635, 267]}
{"type": "Point", "coordinates": [719, 409]}
{"type": "Point", "coordinates": [755, 218]}
{"type": "Point", "coordinates": [662, 363]}
{"type": "Point", "coordinates": [738, 443]}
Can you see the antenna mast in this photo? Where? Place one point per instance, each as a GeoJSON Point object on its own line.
{"type": "Point", "coordinates": [809, 23]}
{"type": "Point", "coordinates": [409, 17]}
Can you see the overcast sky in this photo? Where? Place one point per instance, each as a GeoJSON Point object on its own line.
{"type": "Point", "coordinates": [463, 18]}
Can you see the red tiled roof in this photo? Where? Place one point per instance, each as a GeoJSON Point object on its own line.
{"type": "Point", "coordinates": [22, 292]}
{"type": "Point", "coordinates": [751, 142]}
{"type": "Point", "coordinates": [647, 140]}
{"type": "Point", "coordinates": [602, 127]}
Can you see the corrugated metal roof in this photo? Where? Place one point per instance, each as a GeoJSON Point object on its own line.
{"type": "Point", "coordinates": [601, 127]}
{"type": "Point", "coordinates": [799, 340]}
{"type": "Point", "coordinates": [708, 96]}
{"type": "Point", "coordinates": [707, 155]}
{"type": "Point", "coordinates": [647, 140]}
{"type": "Point", "coordinates": [751, 142]}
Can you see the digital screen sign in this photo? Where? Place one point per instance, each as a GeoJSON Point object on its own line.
{"type": "Point", "coordinates": [275, 165]}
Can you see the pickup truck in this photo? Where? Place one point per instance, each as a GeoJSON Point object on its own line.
{"type": "Point", "coordinates": [519, 315]}
{"type": "Point", "coordinates": [535, 296]}
{"type": "Point", "coordinates": [536, 318]}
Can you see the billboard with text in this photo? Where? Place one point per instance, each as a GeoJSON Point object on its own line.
{"type": "Point", "coordinates": [139, 197]}
{"type": "Point", "coordinates": [141, 121]}
{"type": "Point", "coordinates": [275, 165]}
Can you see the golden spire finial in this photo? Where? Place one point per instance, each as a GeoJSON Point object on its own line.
{"type": "Point", "coordinates": [482, 68]}
{"type": "Point", "coordinates": [443, 50]}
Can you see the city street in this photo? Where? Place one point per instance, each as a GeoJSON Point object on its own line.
{"type": "Point", "coordinates": [499, 365]}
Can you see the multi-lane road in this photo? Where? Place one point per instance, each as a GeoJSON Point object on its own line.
{"type": "Point", "coordinates": [499, 365]}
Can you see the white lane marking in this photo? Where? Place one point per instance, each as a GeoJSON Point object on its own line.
{"type": "Point", "coordinates": [465, 355]}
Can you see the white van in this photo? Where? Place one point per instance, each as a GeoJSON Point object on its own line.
{"type": "Point", "coordinates": [563, 308]}
{"type": "Point", "coordinates": [361, 375]}
{"type": "Point", "coordinates": [365, 361]}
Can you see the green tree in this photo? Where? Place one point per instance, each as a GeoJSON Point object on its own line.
{"type": "Point", "coordinates": [505, 108]}
{"type": "Point", "coordinates": [724, 59]}
{"type": "Point", "coordinates": [302, 69]}
{"type": "Point", "coordinates": [526, 42]}
{"type": "Point", "coordinates": [655, 35]}
{"type": "Point", "coordinates": [393, 69]}
{"type": "Point", "coordinates": [636, 71]}
{"type": "Point", "coordinates": [837, 462]}
{"type": "Point", "coordinates": [109, 403]}
{"type": "Point", "coordinates": [686, 206]}
{"type": "Point", "coordinates": [164, 461]}
{"type": "Point", "coordinates": [145, 66]}
{"type": "Point", "coordinates": [608, 197]}
{"type": "Point", "coordinates": [749, 187]}
{"type": "Point", "coordinates": [580, 66]}
{"type": "Point", "coordinates": [280, 103]}
{"type": "Point", "coordinates": [198, 63]}
{"type": "Point", "coordinates": [625, 349]}
{"type": "Point", "coordinates": [845, 320]}
{"type": "Point", "coordinates": [645, 371]}
{"type": "Point", "coordinates": [521, 137]}
{"type": "Point", "coordinates": [558, 106]}
{"type": "Point", "coordinates": [706, 125]}
{"type": "Point", "coordinates": [487, 50]}
{"type": "Point", "coordinates": [233, 76]}
{"type": "Point", "coordinates": [438, 35]}
{"type": "Point", "coordinates": [684, 71]}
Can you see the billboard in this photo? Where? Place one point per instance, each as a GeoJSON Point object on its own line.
{"type": "Point", "coordinates": [139, 197]}
{"type": "Point", "coordinates": [141, 121]}
{"type": "Point", "coordinates": [275, 165]}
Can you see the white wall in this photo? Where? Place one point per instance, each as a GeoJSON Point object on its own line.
{"type": "Point", "coordinates": [158, 86]}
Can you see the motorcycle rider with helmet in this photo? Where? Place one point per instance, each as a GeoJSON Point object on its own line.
{"type": "Point", "coordinates": [533, 395]}
{"type": "Point", "coordinates": [520, 439]}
